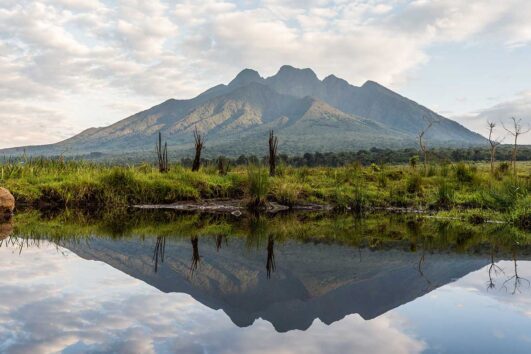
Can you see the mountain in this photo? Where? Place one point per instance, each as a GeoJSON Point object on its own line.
{"type": "Point", "coordinates": [307, 114]}
{"type": "Point", "coordinates": [310, 281]}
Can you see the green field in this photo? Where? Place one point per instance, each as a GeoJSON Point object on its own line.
{"type": "Point", "coordinates": [462, 190]}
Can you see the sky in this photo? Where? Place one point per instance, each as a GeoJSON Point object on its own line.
{"type": "Point", "coordinates": [68, 65]}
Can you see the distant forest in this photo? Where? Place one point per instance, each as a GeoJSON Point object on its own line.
{"type": "Point", "coordinates": [381, 156]}
{"type": "Point", "coordinates": [326, 159]}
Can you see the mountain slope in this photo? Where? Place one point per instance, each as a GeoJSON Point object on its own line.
{"type": "Point", "coordinates": [307, 114]}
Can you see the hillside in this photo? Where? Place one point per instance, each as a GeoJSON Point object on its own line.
{"type": "Point", "coordinates": [308, 115]}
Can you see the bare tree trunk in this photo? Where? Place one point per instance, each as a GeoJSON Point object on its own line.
{"type": "Point", "coordinates": [515, 147]}
{"type": "Point", "coordinates": [162, 155]}
{"type": "Point", "coordinates": [199, 141]}
{"type": "Point", "coordinates": [492, 153]}
{"type": "Point", "coordinates": [493, 145]}
{"type": "Point", "coordinates": [516, 132]}
{"type": "Point", "coordinates": [273, 145]}
{"type": "Point", "coordinates": [422, 145]}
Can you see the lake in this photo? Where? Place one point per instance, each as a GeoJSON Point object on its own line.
{"type": "Point", "coordinates": [164, 282]}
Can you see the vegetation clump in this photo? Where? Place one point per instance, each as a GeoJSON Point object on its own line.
{"type": "Point", "coordinates": [353, 187]}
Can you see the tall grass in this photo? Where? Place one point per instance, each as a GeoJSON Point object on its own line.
{"type": "Point", "coordinates": [258, 186]}
{"type": "Point", "coordinates": [70, 183]}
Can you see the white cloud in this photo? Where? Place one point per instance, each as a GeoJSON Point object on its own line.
{"type": "Point", "coordinates": [519, 107]}
{"type": "Point", "coordinates": [95, 308]}
{"type": "Point", "coordinates": [151, 51]}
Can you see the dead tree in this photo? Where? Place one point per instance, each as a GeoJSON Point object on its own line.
{"type": "Point", "coordinates": [158, 252]}
{"type": "Point", "coordinates": [270, 263]}
{"type": "Point", "coordinates": [493, 142]}
{"type": "Point", "coordinates": [196, 258]}
{"type": "Point", "coordinates": [517, 279]}
{"type": "Point", "coordinates": [422, 143]}
{"type": "Point", "coordinates": [199, 141]}
{"type": "Point", "coordinates": [273, 146]}
{"type": "Point", "coordinates": [516, 131]}
{"type": "Point", "coordinates": [162, 155]}
{"type": "Point", "coordinates": [219, 241]}
{"type": "Point", "coordinates": [493, 268]}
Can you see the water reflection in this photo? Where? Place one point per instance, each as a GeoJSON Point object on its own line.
{"type": "Point", "coordinates": [158, 252]}
{"type": "Point", "coordinates": [195, 254]}
{"type": "Point", "coordinates": [345, 283]}
{"type": "Point", "coordinates": [516, 280]}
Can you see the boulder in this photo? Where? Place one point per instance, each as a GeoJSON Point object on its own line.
{"type": "Point", "coordinates": [7, 203]}
{"type": "Point", "coordinates": [6, 229]}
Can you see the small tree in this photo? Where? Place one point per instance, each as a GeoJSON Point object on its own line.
{"type": "Point", "coordinates": [422, 143]}
{"type": "Point", "coordinates": [413, 161]}
{"type": "Point", "coordinates": [199, 141]}
{"type": "Point", "coordinates": [162, 155]}
{"type": "Point", "coordinates": [223, 165]}
{"type": "Point", "coordinates": [273, 146]}
{"type": "Point", "coordinates": [493, 142]}
{"type": "Point", "coordinates": [516, 131]}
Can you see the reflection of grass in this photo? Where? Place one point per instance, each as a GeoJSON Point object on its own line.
{"type": "Point", "coordinates": [379, 232]}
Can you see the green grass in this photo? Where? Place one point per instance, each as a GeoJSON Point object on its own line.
{"type": "Point", "coordinates": [447, 187]}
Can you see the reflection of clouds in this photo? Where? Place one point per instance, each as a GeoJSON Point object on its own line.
{"type": "Point", "coordinates": [66, 303]}
{"type": "Point", "coordinates": [504, 285]}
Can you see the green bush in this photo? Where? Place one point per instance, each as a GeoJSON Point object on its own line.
{"type": "Point", "coordinates": [258, 186]}
{"type": "Point", "coordinates": [432, 170]}
{"type": "Point", "coordinates": [506, 195]}
{"type": "Point", "coordinates": [414, 184]}
{"type": "Point", "coordinates": [463, 173]}
{"type": "Point", "coordinates": [445, 194]}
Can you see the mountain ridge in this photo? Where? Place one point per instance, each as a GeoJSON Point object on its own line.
{"type": "Point", "coordinates": [235, 116]}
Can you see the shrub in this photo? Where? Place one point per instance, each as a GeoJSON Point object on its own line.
{"type": "Point", "coordinates": [505, 196]}
{"type": "Point", "coordinates": [414, 184]}
{"type": "Point", "coordinates": [359, 199]}
{"type": "Point", "coordinates": [397, 197]}
{"type": "Point", "coordinates": [382, 179]}
{"type": "Point", "coordinates": [445, 194]}
{"type": "Point", "coordinates": [463, 173]}
{"type": "Point", "coordinates": [413, 161]}
{"type": "Point", "coordinates": [286, 193]}
{"type": "Point", "coordinates": [443, 171]}
{"type": "Point", "coordinates": [503, 168]}
{"type": "Point", "coordinates": [258, 186]}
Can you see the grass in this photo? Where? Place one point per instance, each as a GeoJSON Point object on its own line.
{"type": "Point", "coordinates": [446, 187]}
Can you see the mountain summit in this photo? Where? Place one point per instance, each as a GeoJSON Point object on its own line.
{"type": "Point", "coordinates": [308, 114]}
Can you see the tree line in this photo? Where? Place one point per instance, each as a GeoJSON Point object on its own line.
{"type": "Point", "coordinates": [376, 156]}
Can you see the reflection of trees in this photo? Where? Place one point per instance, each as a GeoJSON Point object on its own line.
{"type": "Point", "coordinates": [419, 268]}
{"type": "Point", "coordinates": [158, 252]}
{"type": "Point", "coordinates": [21, 243]}
{"type": "Point", "coordinates": [422, 241]}
{"type": "Point", "coordinates": [517, 280]}
{"type": "Point", "coordinates": [270, 263]}
{"type": "Point", "coordinates": [219, 241]}
{"type": "Point", "coordinates": [493, 268]}
{"type": "Point", "coordinates": [195, 255]}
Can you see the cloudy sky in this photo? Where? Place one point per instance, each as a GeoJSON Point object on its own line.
{"type": "Point", "coordinates": [67, 65]}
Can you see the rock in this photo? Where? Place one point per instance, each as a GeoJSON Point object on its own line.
{"type": "Point", "coordinates": [7, 203]}
{"type": "Point", "coordinates": [6, 229]}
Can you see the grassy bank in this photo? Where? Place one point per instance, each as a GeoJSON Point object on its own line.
{"type": "Point", "coordinates": [460, 190]}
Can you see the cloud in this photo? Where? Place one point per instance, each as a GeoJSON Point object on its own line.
{"type": "Point", "coordinates": [518, 107]}
{"type": "Point", "coordinates": [53, 49]}
{"type": "Point", "coordinates": [65, 303]}
{"type": "Point", "coordinates": [30, 125]}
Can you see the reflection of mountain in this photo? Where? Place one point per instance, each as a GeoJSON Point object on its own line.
{"type": "Point", "coordinates": [310, 281]}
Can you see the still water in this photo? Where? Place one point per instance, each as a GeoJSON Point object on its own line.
{"type": "Point", "coordinates": [187, 284]}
